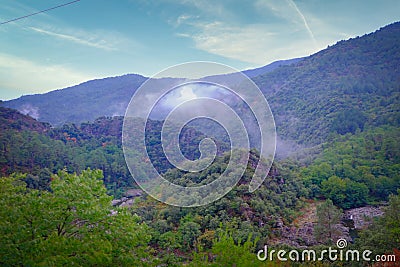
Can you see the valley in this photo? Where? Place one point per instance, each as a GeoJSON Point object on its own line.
{"type": "Point", "coordinates": [65, 185]}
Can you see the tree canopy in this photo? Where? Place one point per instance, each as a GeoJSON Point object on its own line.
{"type": "Point", "coordinates": [73, 223]}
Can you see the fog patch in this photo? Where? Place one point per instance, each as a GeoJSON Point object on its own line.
{"type": "Point", "coordinates": [286, 148]}
{"type": "Point", "coordinates": [30, 111]}
{"type": "Point", "coordinates": [118, 109]}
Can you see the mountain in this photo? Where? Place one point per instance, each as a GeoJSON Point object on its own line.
{"type": "Point", "coordinates": [251, 73]}
{"type": "Point", "coordinates": [80, 103]}
{"type": "Point", "coordinates": [345, 88]}
{"type": "Point", "coordinates": [342, 89]}
{"type": "Point", "coordinates": [95, 98]}
{"type": "Point", "coordinates": [344, 100]}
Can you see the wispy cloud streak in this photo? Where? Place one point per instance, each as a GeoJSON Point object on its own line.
{"type": "Point", "coordinates": [71, 38]}
{"type": "Point", "coordinates": [293, 4]}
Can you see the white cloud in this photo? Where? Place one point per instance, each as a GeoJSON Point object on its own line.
{"type": "Point", "coordinates": [209, 7]}
{"type": "Point", "coordinates": [182, 18]}
{"type": "Point", "coordinates": [280, 9]}
{"type": "Point", "coordinates": [180, 96]}
{"type": "Point", "coordinates": [256, 43]}
{"type": "Point", "coordinates": [23, 76]}
{"type": "Point", "coordinates": [92, 42]}
{"type": "Point", "coordinates": [287, 32]}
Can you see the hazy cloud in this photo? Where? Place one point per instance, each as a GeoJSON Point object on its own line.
{"type": "Point", "coordinates": [30, 110]}
{"type": "Point", "coordinates": [21, 75]}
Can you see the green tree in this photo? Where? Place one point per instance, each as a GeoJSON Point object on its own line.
{"type": "Point", "coordinates": [328, 216]}
{"type": "Point", "coordinates": [190, 231]}
{"type": "Point", "coordinates": [344, 192]}
{"type": "Point", "coordinates": [226, 252]}
{"type": "Point", "coordinates": [74, 224]}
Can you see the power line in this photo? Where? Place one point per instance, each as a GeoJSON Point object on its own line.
{"type": "Point", "coordinates": [42, 11]}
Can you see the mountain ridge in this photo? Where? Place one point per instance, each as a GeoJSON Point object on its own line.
{"type": "Point", "coordinates": [343, 88]}
{"type": "Point", "coordinates": [44, 106]}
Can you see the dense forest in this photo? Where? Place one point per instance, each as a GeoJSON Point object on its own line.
{"type": "Point", "coordinates": [68, 198]}
{"type": "Point", "coordinates": [353, 171]}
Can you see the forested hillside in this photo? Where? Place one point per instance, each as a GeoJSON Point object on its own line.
{"type": "Point", "coordinates": [342, 89]}
{"type": "Point", "coordinates": [29, 146]}
{"type": "Point", "coordinates": [67, 197]}
{"type": "Point", "coordinates": [354, 170]}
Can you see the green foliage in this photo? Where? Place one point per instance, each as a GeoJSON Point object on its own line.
{"type": "Point", "coordinates": [328, 216]}
{"type": "Point", "coordinates": [73, 224]}
{"type": "Point", "coordinates": [94, 145]}
{"type": "Point", "coordinates": [189, 231]}
{"type": "Point", "coordinates": [348, 121]}
{"type": "Point", "coordinates": [182, 230]}
{"type": "Point", "coordinates": [41, 154]}
{"type": "Point", "coordinates": [345, 192]}
{"type": "Point", "coordinates": [335, 98]}
{"type": "Point", "coordinates": [357, 169]}
{"type": "Point", "coordinates": [11, 120]}
{"type": "Point", "coordinates": [383, 236]}
{"type": "Point", "coordinates": [226, 252]}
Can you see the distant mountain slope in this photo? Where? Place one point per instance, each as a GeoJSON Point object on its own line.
{"type": "Point", "coordinates": [96, 98]}
{"type": "Point", "coordinates": [270, 67]}
{"type": "Point", "coordinates": [80, 103]}
{"type": "Point", "coordinates": [344, 88]}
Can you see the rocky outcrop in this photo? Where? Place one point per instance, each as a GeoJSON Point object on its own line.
{"type": "Point", "coordinates": [303, 236]}
{"type": "Point", "coordinates": [300, 233]}
{"type": "Point", "coordinates": [128, 199]}
{"type": "Point", "coordinates": [363, 217]}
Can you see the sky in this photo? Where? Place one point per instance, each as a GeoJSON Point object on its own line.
{"type": "Point", "coordinates": [92, 39]}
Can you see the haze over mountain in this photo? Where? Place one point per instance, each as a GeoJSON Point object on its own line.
{"type": "Point", "coordinates": [344, 88]}
{"type": "Point", "coordinates": [92, 99]}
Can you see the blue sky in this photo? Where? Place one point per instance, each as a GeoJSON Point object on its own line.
{"type": "Point", "coordinates": [101, 38]}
